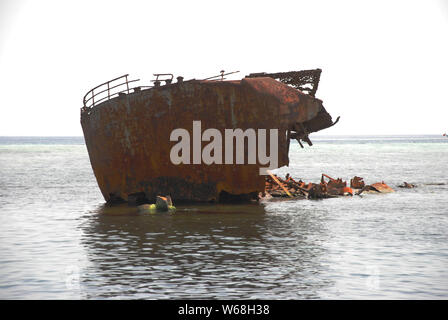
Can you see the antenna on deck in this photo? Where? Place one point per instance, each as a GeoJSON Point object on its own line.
{"type": "Point", "coordinates": [221, 75]}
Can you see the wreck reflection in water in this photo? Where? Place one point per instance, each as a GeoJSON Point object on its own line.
{"type": "Point", "coordinates": [202, 251]}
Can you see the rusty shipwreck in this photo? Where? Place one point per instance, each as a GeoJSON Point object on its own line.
{"type": "Point", "coordinates": [127, 131]}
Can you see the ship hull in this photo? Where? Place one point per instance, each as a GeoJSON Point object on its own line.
{"type": "Point", "coordinates": [128, 137]}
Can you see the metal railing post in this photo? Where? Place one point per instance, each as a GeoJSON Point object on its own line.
{"type": "Point", "coordinates": [108, 91]}
{"type": "Point", "coordinates": [127, 83]}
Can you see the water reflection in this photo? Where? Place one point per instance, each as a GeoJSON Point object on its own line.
{"type": "Point", "coordinates": [203, 251]}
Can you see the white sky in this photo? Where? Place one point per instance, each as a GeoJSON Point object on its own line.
{"type": "Point", "coordinates": [385, 63]}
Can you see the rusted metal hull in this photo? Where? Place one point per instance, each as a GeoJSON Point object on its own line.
{"type": "Point", "coordinates": [128, 137]}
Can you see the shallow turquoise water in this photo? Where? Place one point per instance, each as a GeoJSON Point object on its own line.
{"type": "Point", "coordinates": [59, 241]}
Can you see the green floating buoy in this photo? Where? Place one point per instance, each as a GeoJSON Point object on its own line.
{"type": "Point", "coordinates": [162, 204]}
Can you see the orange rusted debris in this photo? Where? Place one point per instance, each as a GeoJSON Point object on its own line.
{"type": "Point", "coordinates": [280, 184]}
{"type": "Point", "coordinates": [382, 187]}
{"type": "Point", "coordinates": [357, 182]}
{"type": "Point", "coordinates": [379, 187]}
{"type": "Point", "coordinates": [298, 189]}
{"type": "Point", "coordinates": [273, 188]}
{"type": "Point", "coordinates": [407, 185]}
{"type": "Point", "coordinates": [333, 188]}
{"type": "Point", "coordinates": [128, 135]}
{"type": "Point", "coordinates": [327, 176]}
{"type": "Point", "coordinates": [347, 190]}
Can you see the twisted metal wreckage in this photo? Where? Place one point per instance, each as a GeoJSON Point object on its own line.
{"type": "Point", "coordinates": [127, 131]}
{"type": "Point", "coordinates": [277, 187]}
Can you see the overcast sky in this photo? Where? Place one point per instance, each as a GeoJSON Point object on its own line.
{"type": "Point", "coordinates": [385, 63]}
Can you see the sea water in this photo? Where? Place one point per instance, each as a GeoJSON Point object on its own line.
{"type": "Point", "coordinates": [58, 240]}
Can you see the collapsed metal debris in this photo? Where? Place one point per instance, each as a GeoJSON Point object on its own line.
{"type": "Point", "coordinates": [281, 188]}
{"type": "Point", "coordinates": [304, 80]}
{"type": "Point", "coordinates": [407, 185]}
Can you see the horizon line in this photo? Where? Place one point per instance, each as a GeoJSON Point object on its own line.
{"type": "Point", "coordinates": [314, 134]}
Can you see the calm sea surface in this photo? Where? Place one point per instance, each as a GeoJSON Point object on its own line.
{"type": "Point", "coordinates": [59, 241]}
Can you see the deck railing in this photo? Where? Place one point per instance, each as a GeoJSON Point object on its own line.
{"type": "Point", "coordinates": [108, 90]}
